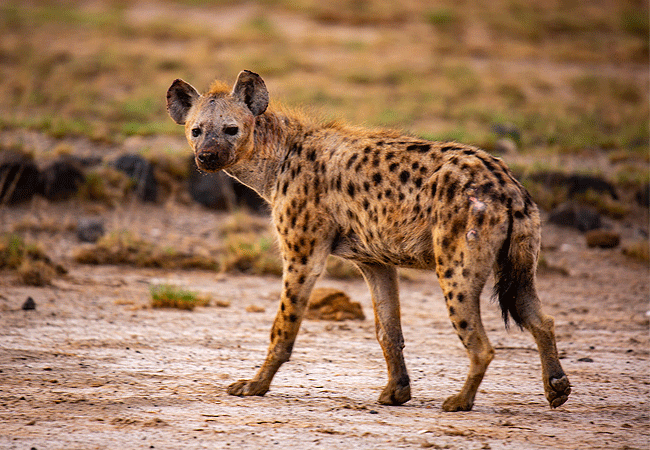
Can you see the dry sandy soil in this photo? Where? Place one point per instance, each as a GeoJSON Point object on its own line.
{"type": "Point", "coordinates": [93, 366]}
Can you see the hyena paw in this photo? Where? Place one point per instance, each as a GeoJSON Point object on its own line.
{"type": "Point", "coordinates": [243, 388]}
{"type": "Point", "coordinates": [457, 403]}
{"type": "Point", "coordinates": [395, 394]}
{"type": "Point", "coordinates": [557, 390]}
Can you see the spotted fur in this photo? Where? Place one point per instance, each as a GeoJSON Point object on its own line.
{"type": "Point", "coordinates": [382, 200]}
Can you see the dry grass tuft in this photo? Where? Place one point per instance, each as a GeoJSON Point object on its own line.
{"type": "Point", "coordinates": [123, 248]}
{"type": "Point", "coordinates": [250, 253]}
{"type": "Point", "coordinates": [106, 185]}
{"type": "Point", "coordinates": [639, 251]}
{"type": "Point", "coordinates": [30, 262]}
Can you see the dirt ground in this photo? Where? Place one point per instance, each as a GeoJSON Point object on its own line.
{"type": "Point", "coordinates": [94, 367]}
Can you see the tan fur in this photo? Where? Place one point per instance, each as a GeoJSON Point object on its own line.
{"type": "Point", "coordinates": [381, 200]}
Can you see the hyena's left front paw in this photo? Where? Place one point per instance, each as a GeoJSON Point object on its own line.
{"type": "Point", "coordinates": [396, 393]}
{"type": "Point", "coordinates": [243, 388]}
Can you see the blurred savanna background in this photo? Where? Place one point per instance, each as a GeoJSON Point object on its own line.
{"type": "Point", "coordinates": [134, 289]}
{"type": "Point", "coordinates": [559, 89]}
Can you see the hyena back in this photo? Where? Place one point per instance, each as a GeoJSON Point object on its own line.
{"type": "Point", "coordinates": [382, 200]}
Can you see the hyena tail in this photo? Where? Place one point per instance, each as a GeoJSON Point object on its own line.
{"type": "Point", "coordinates": [515, 266]}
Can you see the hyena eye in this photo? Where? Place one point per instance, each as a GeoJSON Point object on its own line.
{"type": "Point", "coordinates": [196, 132]}
{"type": "Point", "coordinates": [231, 131]}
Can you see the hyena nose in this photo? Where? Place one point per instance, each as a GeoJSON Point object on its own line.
{"type": "Point", "coordinates": [207, 158]}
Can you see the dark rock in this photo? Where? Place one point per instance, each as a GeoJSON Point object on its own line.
{"type": "Point", "coordinates": [220, 191]}
{"type": "Point", "coordinates": [18, 178]}
{"type": "Point", "coordinates": [212, 190]}
{"type": "Point", "coordinates": [579, 184]}
{"type": "Point", "coordinates": [575, 183]}
{"type": "Point", "coordinates": [60, 180]}
{"type": "Point", "coordinates": [643, 196]}
{"type": "Point", "coordinates": [142, 172]}
{"type": "Point", "coordinates": [569, 215]}
{"type": "Point", "coordinates": [249, 198]}
{"type": "Point", "coordinates": [587, 219]}
{"type": "Point", "coordinates": [29, 304]}
{"type": "Point", "coordinates": [90, 230]}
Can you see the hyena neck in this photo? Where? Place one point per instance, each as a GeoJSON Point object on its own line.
{"type": "Point", "coordinates": [275, 132]}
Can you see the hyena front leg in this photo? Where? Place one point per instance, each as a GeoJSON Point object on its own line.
{"type": "Point", "coordinates": [382, 281]}
{"type": "Point", "coordinates": [302, 266]}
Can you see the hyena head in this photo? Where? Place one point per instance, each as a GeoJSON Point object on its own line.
{"type": "Point", "coordinates": [219, 125]}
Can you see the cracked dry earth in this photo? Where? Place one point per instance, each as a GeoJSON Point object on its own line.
{"type": "Point", "coordinates": [93, 367]}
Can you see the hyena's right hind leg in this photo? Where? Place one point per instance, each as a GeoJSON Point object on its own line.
{"type": "Point", "coordinates": [515, 288]}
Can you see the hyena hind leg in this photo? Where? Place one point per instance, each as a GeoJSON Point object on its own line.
{"type": "Point", "coordinates": [462, 291]}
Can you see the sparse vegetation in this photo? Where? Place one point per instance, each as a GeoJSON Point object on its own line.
{"type": "Point", "coordinates": [168, 296]}
{"type": "Point", "coordinates": [124, 248]}
{"type": "Point", "coordinates": [28, 261]}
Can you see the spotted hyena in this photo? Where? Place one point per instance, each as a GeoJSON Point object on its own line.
{"type": "Point", "coordinates": [382, 200]}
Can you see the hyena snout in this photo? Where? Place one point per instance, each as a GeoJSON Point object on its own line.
{"type": "Point", "coordinates": [212, 161]}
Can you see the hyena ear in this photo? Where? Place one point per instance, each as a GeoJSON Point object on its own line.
{"type": "Point", "coordinates": [180, 98]}
{"type": "Point", "coordinates": [251, 90]}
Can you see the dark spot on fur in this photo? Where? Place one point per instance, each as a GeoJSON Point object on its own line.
{"type": "Point", "coordinates": [351, 189]}
{"type": "Point", "coordinates": [463, 324]}
{"type": "Point", "coordinates": [418, 182]}
{"type": "Point", "coordinates": [433, 190]}
{"type": "Point", "coordinates": [451, 191]}
{"type": "Point", "coordinates": [415, 165]}
{"type": "Point", "coordinates": [389, 156]}
{"type": "Point", "coordinates": [293, 317]}
{"type": "Point", "coordinates": [452, 311]}
{"type": "Point", "coordinates": [404, 176]}
{"type": "Point", "coordinates": [421, 148]}
{"type": "Point", "coordinates": [282, 306]}
{"type": "Point", "coordinates": [389, 193]}
{"type": "Point", "coordinates": [285, 186]}
{"type": "Point", "coordinates": [311, 156]}
{"type": "Point", "coordinates": [376, 178]}
{"type": "Point", "coordinates": [447, 148]}
{"type": "Point", "coordinates": [469, 152]}
{"type": "Point", "coordinates": [393, 166]}
{"type": "Point", "coordinates": [461, 297]}
{"type": "Point", "coordinates": [303, 260]}
{"type": "Point", "coordinates": [351, 161]}
{"type": "Point", "coordinates": [449, 273]}
{"type": "Point", "coordinates": [465, 273]}
{"type": "Point", "coordinates": [366, 186]}
{"type": "Point", "coordinates": [519, 215]}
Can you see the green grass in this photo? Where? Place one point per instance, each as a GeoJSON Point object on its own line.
{"type": "Point", "coordinates": [168, 296]}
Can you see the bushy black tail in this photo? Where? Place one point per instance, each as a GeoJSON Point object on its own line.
{"type": "Point", "coordinates": [509, 277]}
